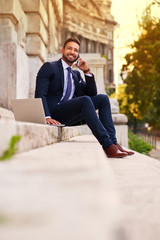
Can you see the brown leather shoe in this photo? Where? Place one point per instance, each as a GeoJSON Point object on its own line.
{"type": "Point", "coordinates": [123, 150]}
{"type": "Point", "coordinates": [113, 152]}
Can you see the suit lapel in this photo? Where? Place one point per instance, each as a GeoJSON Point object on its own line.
{"type": "Point", "coordinates": [75, 78]}
{"type": "Point", "coordinates": [77, 82]}
{"type": "Point", "coordinates": [61, 72]}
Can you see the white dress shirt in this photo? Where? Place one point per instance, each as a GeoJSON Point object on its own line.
{"type": "Point", "coordinates": [65, 66]}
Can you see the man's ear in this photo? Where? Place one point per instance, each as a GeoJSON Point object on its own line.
{"type": "Point", "coordinates": [62, 50]}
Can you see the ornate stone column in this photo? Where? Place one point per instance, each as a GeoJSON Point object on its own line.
{"type": "Point", "coordinates": [36, 38]}
{"type": "Point", "coordinates": [14, 79]}
{"type": "Point", "coordinates": [43, 33]}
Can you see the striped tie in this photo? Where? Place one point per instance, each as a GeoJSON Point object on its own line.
{"type": "Point", "coordinates": [69, 86]}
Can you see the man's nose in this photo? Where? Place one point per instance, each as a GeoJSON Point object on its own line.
{"type": "Point", "coordinates": [72, 51]}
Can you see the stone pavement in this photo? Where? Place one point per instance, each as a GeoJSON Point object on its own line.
{"type": "Point", "coordinates": [138, 182]}
{"type": "Point", "coordinates": [155, 153]}
{"type": "Point", "coordinates": [71, 191]}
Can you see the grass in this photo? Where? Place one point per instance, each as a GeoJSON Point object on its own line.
{"type": "Point", "coordinates": [11, 149]}
{"type": "Point", "coordinates": [138, 144]}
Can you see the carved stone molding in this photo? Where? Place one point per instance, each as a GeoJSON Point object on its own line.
{"type": "Point", "coordinates": [91, 19]}
{"type": "Point", "coordinates": [94, 8]}
{"type": "Point", "coordinates": [58, 8]}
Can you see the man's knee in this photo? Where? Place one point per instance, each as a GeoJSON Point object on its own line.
{"type": "Point", "coordinates": [103, 98]}
{"type": "Point", "coordinates": [86, 99]}
{"type": "Point", "coordinates": [87, 102]}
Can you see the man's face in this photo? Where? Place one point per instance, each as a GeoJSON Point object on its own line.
{"type": "Point", "coordinates": [70, 52]}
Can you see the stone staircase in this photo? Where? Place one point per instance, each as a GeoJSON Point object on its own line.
{"type": "Point", "coordinates": [32, 135]}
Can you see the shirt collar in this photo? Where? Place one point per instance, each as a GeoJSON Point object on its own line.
{"type": "Point", "coordinates": [64, 64]}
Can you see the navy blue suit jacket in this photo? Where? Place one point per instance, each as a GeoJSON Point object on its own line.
{"type": "Point", "coordinates": [50, 83]}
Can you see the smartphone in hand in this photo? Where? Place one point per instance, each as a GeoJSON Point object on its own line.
{"type": "Point", "coordinates": [77, 62]}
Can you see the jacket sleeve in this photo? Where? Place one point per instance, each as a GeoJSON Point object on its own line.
{"type": "Point", "coordinates": [91, 88]}
{"type": "Point", "coordinates": [42, 85]}
{"type": "Point", "coordinates": [87, 87]}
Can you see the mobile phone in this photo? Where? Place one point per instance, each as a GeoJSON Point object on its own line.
{"type": "Point", "coordinates": [77, 63]}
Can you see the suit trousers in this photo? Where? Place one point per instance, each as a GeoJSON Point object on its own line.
{"type": "Point", "coordinates": [84, 108]}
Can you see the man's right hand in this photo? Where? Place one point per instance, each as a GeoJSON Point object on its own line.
{"type": "Point", "coordinates": [51, 121]}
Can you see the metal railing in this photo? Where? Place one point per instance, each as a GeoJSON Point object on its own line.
{"type": "Point", "coordinates": [149, 138]}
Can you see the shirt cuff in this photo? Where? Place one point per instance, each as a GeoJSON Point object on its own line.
{"type": "Point", "coordinates": [47, 117]}
{"type": "Point", "coordinates": [89, 74]}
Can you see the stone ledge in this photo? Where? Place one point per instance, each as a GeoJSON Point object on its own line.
{"type": "Point", "coordinates": [33, 135]}
{"type": "Point", "coordinates": [36, 135]}
{"type": "Point", "coordinates": [69, 132]}
{"type": "Point", "coordinates": [28, 141]}
{"type": "Point", "coordinates": [6, 114]}
{"type": "Point", "coordinates": [119, 118]}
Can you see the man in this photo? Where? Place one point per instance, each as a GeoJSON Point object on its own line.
{"type": "Point", "coordinates": [67, 98]}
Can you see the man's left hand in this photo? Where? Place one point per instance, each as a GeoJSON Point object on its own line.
{"type": "Point", "coordinates": [83, 65]}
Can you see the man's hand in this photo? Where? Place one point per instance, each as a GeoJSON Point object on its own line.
{"type": "Point", "coordinates": [83, 65]}
{"type": "Point", "coordinates": [51, 121]}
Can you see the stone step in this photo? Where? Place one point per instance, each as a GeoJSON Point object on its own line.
{"type": "Point", "coordinates": [65, 191]}
{"type": "Point", "coordinates": [38, 135]}
{"type": "Point", "coordinates": [33, 135]}
{"type": "Point", "coordinates": [6, 114]}
{"type": "Point", "coordinates": [72, 191]}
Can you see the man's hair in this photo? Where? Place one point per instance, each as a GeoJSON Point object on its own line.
{"type": "Point", "coordinates": [72, 39]}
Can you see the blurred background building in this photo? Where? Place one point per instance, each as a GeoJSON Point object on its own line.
{"type": "Point", "coordinates": [33, 30]}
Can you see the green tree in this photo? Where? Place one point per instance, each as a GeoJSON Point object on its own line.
{"type": "Point", "coordinates": [143, 68]}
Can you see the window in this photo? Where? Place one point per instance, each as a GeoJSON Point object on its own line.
{"type": "Point", "coordinates": [110, 76]}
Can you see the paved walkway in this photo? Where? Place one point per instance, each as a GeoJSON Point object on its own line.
{"type": "Point", "coordinates": [155, 153]}
{"type": "Point", "coordinates": [71, 191]}
{"type": "Point", "coordinates": [138, 182]}
{"type": "Point", "coordinates": [158, 143]}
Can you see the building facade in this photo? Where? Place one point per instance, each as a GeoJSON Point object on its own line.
{"type": "Point", "coordinates": [32, 30]}
{"type": "Point", "coordinates": [91, 21]}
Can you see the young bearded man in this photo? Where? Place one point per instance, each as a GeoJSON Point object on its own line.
{"type": "Point", "coordinates": [68, 99]}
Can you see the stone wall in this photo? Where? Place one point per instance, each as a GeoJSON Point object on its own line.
{"type": "Point", "coordinates": [29, 30]}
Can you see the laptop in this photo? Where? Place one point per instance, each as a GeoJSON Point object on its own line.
{"type": "Point", "coordinates": [30, 110]}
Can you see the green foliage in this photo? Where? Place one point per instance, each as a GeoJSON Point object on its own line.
{"type": "Point", "coordinates": [11, 149]}
{"type": "Point", "coordinates": [110, 91]}
{"type": "Point", "coordinates": [138, 144]}
{"type": "Point", "coordinates": [143, 68]}
{"type": "Point", "coordinates": [104, 56]}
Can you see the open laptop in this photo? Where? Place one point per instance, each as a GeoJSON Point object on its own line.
{"type": "Point", "coordinates": [30, 110]}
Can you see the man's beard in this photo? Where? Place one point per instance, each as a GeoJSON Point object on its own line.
{"type": "Point", "coordinates": [68, 60]}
